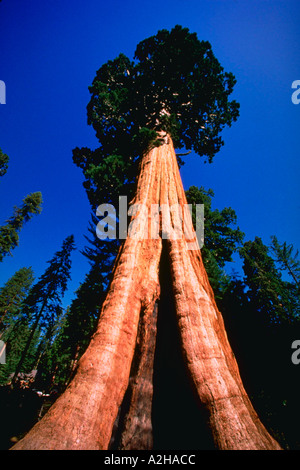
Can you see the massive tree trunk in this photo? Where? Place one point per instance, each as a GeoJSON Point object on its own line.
{"type": "Point", "coordinates": [113, 383]}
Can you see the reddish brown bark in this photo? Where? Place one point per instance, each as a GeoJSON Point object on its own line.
{"type": "Point", "coordinates": [208, 355]}
{"type": "Point", "coordinates": [83, 417]}
{"type": "Point", "coordinates": [137, 423]}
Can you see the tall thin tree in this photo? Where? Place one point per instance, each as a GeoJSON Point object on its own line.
{"type": "Point", "coordinates": [43, 303]}
{"type": "Point", "coordinates": [3, 163]}
{"type": "Point", "coordinates": [9, 233]}
{"type": "Point", "coordinates": [12, 295]}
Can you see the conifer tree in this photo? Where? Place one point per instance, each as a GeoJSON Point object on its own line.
{"type": "Point", "coordinates": [287, 258]}
{"type": "Point", "coordinates": [9, 233]}
{"type": "Point", "coordinates": [175, 92]}
{"type": "Point", "coordinates": [221, 237]}
{"type": "Point", "coordinates": [3, 163]}
{"type": "Point", "coordinates": [79, 324]}
{"type": "Point", "coordinates": [43, 304]}
{"type": "Point", "coordinates": [13, 325]}
{"type": "Point", "coordinates": [12, 295]}
{"type": "Point", "coordinates": [274, 298]}
{"type": "Point", "coordinates": [262, 318]}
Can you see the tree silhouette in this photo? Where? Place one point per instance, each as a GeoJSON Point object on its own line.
{"type": "Point", "coordinates": [43, 303]}
{"type": "Point", "coordinates": [3, 163]}
{"type": "Point", "coordinates": [9, 233]}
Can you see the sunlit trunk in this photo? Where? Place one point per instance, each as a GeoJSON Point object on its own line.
{"type": "Point", "coordinates": [119, 361]}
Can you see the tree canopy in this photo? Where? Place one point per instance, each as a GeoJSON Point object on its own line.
{"type": "Point", "coordinates": [174, 84]}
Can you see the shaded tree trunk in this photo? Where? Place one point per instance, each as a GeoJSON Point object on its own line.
{"type": "Point", "coordinates": [135, 421]}
{"type": "Point", "coordinates": [121, 352]}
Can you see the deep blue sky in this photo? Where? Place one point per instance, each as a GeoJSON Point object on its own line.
{"type": "Point", "coordinates": [50, 52]}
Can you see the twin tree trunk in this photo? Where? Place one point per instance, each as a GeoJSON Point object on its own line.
{"type": "Point", "coordinates": [112, 400]}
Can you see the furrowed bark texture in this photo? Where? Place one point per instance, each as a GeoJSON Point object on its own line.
{"type": "Point", "coordinates": [208, 355]}
{"type": "Point", "coordinates": [83, 417]}
{"type": "Point", "coordinates": [137, 432]}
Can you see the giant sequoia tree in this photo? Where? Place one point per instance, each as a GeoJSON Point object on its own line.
{"type": "Point", "coordinates": [175, 94]}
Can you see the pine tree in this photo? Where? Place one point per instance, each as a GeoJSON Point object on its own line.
{"type": "Point", "coordinates": [273, 298]}
{"type": "Point", "coordinates": [43, 304]}
{"type": "Point", "coordinates": [15, 339]}
{"type": "Point", "coordinates": [287, 258]}
{"type": "Point", "coordinates": [47, 360]}
{"type": "Point", "coordinates": [261, 314]}
{"type": "Point", "coordinates": [3, 163]}
{"type": "Point", "coordinates": [79, 324]}
{"type": "Point", "coordinates": [13, 325]}
{"type": "Point", "coordinates": [9, 237]}
{"type": "Point", "coordinates": [12, 295]}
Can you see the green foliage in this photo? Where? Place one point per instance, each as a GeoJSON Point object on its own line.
{"type": "Point", "coordinates": [79, 325]}
{"type": "Point", "coordinates": [222, 239]}
{"type": "Point", "coordinates": [3, 163]}
{"type": "Point", "coordinates": [287, 259]}
{"type": "Point", "coordinates": [83, 313]}
{"type": "Point", "coordinates": [274, 298]}
{"type": "Point", "coordinates": [174, 84]}
{"type": "Point", "coordinates": [16, 337]}
{"type": "Point", "coordinates": [184, 81]}
{"type": "Point", "coordinates": [44, 299]}
{"type": "Point", "coordinates": [221, 236]}
{"type": "Point", "coordinates": [13, 326]}
{"type": "Point", "coordinates": [42, 307]}
{"type": "Point", "coordinates": [12, 295]}
{"type": "Point", "coordinates": [261, 313]}
{"type": "Point", "coordinates": [9, 233]}
{"type": "Point", "coordinates": [46, 358]}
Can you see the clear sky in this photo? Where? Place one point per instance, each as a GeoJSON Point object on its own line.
{"type": "Point", "coordinates": [50, 52]}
